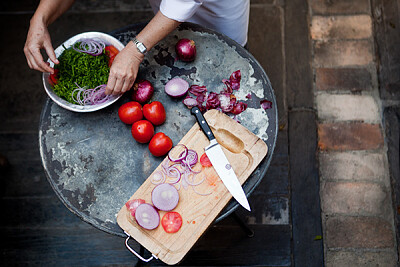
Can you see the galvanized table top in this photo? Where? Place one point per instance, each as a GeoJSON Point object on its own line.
{"type": "Point", "coordinates": [93, 163]}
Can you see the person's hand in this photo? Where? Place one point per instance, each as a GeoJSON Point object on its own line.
{"type": "Point", "coordinates": [38, 37]}
{"type": "Point", "coordinates": [124, 70]}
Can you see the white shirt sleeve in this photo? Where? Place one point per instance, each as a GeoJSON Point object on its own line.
{"type": "Point", "coordinates": [179, 10]}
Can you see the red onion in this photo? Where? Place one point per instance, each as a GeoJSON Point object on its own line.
{"type": "Point", "coordinates": [147, 216]}
{"type": "Point", "coordinates": [165, 197]}
{"type": "Point", "coordinates": [132, 204]}
{"type": "Point", "coordinates": [197, 90]}
{"type": "Point", "coordinates": [191, 158]}
{"type": "Point", "coordinates": [238, 108]}
{"type": "Point", "coordinates": [186, 50]}
{"type": "Point", "coordinates": [190, 101]}
{"type": "Point", "coordinates": [94, 96]}
{"type": "Point", "coordinates": [212, 101]}
{"type": "Point", "coordinates": [265, 104]}
{"type": "Point", "coordinates": [181, 156]}
{"type": "Point", "coordinates": [176, 87]}
{"type": "Point", "coordinates": [89, 46]}
{"type": "Point", "coordinates": [179, 171]}
{"type": "Point", "coordinates": [143, 91]}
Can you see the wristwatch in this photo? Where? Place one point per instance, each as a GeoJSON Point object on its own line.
{"type": "Point", "coordinates": [140, 46]}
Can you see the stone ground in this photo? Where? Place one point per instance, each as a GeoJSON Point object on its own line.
{"type": "Point", "coordinates": [331, 194]}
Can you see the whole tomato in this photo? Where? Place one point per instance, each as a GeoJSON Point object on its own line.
{"type": "Point", "coordinates": [154, 112]}
{"type": "Point", "coordinates": [160, 144]}
{"type": "Point", "coordinates": [130, 112]}
{"type": "Point", "coordinates": [111, 52]}
{"type": "Point", "coordinates": [142, 131]}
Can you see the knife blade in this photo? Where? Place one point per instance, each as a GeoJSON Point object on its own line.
{"type": "Point", "coordinates": [220, 163]}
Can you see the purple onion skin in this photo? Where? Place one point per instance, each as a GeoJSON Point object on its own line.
{"type": "Point", "coordinates": [142, 91]}
{"type": "Point", "coordinates": [185, 50]}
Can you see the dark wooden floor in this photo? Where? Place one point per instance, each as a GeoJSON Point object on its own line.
{"type": "Point", "coordinates": [38, 229]}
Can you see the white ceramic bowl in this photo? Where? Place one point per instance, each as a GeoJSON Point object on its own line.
{"type": "Point", "coordinates": [109, 40]}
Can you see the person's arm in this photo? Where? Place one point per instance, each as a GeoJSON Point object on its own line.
{"type": "Point", "coordinates": [38, 36]}
{"type": "Point", "coordinates": [125, 67]}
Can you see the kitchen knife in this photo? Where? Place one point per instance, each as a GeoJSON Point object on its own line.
{"type": "Point", "coordinates": [220, 162]}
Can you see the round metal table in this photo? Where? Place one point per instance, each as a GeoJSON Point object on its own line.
{"type": "Point", "coordinates": [93, 163]}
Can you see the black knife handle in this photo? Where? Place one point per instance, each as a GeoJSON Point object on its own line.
{"type": "Point", "coordinates": [203, 123]}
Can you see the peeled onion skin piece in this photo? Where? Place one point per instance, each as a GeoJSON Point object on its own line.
{"type": "Point", "coordinates": [147, 216]}
{"type": "Point", "coordinates": [165, 197]}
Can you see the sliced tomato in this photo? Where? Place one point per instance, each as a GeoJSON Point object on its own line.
{"type": "Point", "coordinates": [132, 204]}
{"type": "Point", "coordinates": [54, 77]}
{"type": "Point", "coordinates": [111, 52]}
{"type": "Point", "coordinates": [171, 222]}
{"type": "Point", "coordinates": [205, 161]}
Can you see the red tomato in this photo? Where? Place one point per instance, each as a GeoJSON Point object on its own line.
{"type": "Point", "coordinates": [111, 52]}
{"type": "Point", "coordinates": [154, 112]}
{"type": "Point", "coordinates": [205, 161]}
{"type": "Point", "coordinates": [54, 77]}
{"type": "Point", "coordinates": [160, 144]}
{"type": "Point", "coordinates": [132, 204]}
{"type": "Point", "coordinates": [130, 112]}
{"type": "Point", "coordinates": [171, 222]}
{"type": "Point", "coordinates": [142, 131]}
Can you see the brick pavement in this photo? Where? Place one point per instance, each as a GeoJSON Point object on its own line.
{"type": "Point", "coordinates": [356, 200]}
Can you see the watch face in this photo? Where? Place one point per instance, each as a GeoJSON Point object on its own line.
{"type": "Point", "coordinates": [141, 47]}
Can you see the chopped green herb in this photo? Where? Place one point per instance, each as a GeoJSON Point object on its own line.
{"type": "Point", "coordinates": [82, 69]}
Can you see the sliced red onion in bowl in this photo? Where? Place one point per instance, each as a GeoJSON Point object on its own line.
{"type": "Point", "coordinates": [95, 96]}
{"type": "Point", "coordinates": [89, 46]}
{"type": "Point", "coordinates": [165, 197]}
{"type": "Point", "coordinates": [147, 216]}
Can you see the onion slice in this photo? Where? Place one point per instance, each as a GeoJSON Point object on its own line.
{"type": "Point", "coordinates": [147, 216]}
{"type": "Point", "coordinates": [176, 87]}
{"type": "Point", "coordinates": [89, 46]}
{"type": "Point", "coordinates": [165, 197]}
{"type": "Point", "coordinates": [95, 96]}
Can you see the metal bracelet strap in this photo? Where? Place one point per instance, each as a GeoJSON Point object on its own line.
{"type": "Point", "coordinates": [137, 254]}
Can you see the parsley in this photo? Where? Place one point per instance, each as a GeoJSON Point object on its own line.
{"type": "Point", "coordinates": [82, 69]}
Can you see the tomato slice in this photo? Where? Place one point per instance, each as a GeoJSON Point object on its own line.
{"type": "Point", "coordinates": [171, 222]}
{"type": "Point", "coordinates": [54, 77]}
{"type": "Point", "coordinates": [132, 204]}
{"type": "Point", "coordinates": [205, 161]}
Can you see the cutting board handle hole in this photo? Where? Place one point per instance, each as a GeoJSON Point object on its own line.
{"type": "Point", "coordinates": [229, 141]}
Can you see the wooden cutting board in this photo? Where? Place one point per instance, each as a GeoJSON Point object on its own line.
{"type": "Point", "coordinates": [244, 151]}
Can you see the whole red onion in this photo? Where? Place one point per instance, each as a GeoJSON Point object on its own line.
{"type": "Point", "coordinates": [142, 91]}
{"type": "Point", "coordinates": [186, 50]}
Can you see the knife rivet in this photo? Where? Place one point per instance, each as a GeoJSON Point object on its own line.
{"type": "Point", "coordinates": [228, 166]}
{"type": "Point", "coordinates": [208, 133]}
{"type": "Point", "coordinates": [203, 122]}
